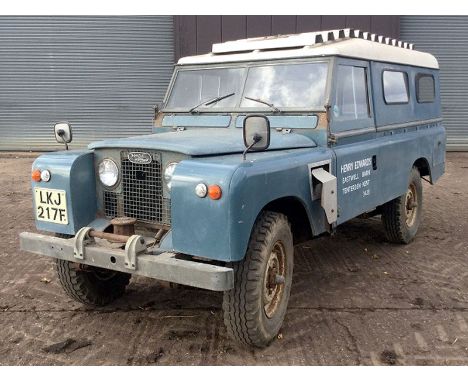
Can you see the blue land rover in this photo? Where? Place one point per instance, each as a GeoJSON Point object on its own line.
{"type": "Point", "coordinates": [259, 145]}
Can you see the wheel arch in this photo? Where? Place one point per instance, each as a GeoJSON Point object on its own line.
{"type": "Point", "coordinates": [296, 212]}
{"type": "Point", "coordinates": [422, 164]}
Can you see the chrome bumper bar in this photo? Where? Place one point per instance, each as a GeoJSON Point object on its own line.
{"type": "Point", "coordinates": [166, 266]}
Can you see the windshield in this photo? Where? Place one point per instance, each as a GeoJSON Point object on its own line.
{"type": "Point", "coordinates": [299, 85]}
{"type": "Point", "coordinates": [283, 85]}
{"type": "Point", "coordinates": [193, 87]}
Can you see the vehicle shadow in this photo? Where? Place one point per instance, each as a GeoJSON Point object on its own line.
{"type": "Point", "coordinates": [314, 260]}
{"type": "Point", "coordinates": [341, 286]}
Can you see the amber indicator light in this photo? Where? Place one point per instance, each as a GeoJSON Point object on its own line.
{"type": "Point", "coordinates": [214, 192]}
{"type": "Point", "coordinates": [36, 175]}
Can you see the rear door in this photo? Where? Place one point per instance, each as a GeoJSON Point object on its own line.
{"type": "Point", "coordinates": [352, 127]}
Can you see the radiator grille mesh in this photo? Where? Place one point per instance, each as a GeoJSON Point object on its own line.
{"type": "Point", "coordinates": [141, 195]}
{"type": "Point", "coordinates": [110, 204]}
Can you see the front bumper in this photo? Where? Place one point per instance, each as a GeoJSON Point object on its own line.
{"type": "Point", "coordinates": [166, 266]}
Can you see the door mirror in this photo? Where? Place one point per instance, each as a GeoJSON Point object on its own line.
{"type": "Point", "coordinates": [256, 130]}
{"type": "Point", "coordinates": [63, 132]}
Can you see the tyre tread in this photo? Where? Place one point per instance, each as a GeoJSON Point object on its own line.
{"type": "Point", "coordinates": [393, 221]}
{"type": "Point", "coordinates": [239, 304]}
{"type": "Point", "coordinates": [78, 286]}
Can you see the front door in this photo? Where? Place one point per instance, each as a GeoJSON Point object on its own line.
{"type": "Point", "coordinates": [353, 129]}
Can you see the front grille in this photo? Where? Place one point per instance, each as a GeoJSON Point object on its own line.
{"type": "Point", "coordinates": [141, 195]}
{"type": "Point", "coordinates": [110, 204]}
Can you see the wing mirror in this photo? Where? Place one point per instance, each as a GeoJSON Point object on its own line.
{"type": "Point", "coordinates": [256, 131]}
{"type": "Point", "coordinates": [63, 133]}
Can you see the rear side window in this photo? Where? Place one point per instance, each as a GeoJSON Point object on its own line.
{"type": "Point", "coordinates": [351, 95]}
{"type": "Point", "coordinates": [425, 88]}
{"type": "Point", "coordinates": [395, 87]}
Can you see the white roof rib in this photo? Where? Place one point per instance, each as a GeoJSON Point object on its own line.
{"type": "Point", "coordinates": [340, 42]}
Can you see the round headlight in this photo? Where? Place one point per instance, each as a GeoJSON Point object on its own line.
{"type": "Point", "coordinates": [108, 172]}
{"type": "Point", "coordinates": [168, 172]}
{"type": "Point", "coordinates": [45, 175]}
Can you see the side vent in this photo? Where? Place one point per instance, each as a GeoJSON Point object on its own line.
{"type": "Point", "coordinates": [326, 184]}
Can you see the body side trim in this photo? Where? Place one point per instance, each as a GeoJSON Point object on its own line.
{"type": "Point", "coordinates": [366, 130]}
{"type": "Point", "coordinates": [408, 124]}
{"type": "Point", "coordinates": [352, 133]}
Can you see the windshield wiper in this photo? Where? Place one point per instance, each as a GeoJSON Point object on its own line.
{"type": "Point", "coordinates": [265, 103]}
{"type": "Point", "coordinates": [211, 101]}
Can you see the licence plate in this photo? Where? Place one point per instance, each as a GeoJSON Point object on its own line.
{"type": "Point", "coordinates": [51, 205]}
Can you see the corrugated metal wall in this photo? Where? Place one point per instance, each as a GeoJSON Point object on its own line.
{"type": "Point", "coordinates": [446, 37]}
{"type": "Point", "coordinates": [103, 74]}
{"type": "Point", "coordinates": [196, 34]}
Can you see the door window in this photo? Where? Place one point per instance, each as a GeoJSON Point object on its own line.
{"type": "Point", "coordinates": [351, 96]}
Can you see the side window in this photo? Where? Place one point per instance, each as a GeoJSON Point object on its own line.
{"type": "Point", "coordinates": [425, 88]}
{"type": "Point", "coordinates": [351, 101]}
{"type": "Point", "coordinates": [395, 87]}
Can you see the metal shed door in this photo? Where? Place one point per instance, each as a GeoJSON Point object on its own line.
{"type": "Point", "coordinates": [103, 74]}
{"type": "Point", "coordinates": [446, 37]}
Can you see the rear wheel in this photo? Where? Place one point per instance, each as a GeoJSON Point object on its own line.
{"type": "Point", "coordinates": [90, 285]}
{"type": "Point", "coordinates": [254, 309]}
{"type": "Point", "coordinates": [402, 216]}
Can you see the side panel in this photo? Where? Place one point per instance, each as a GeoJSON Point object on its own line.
{"type": "Point", "coordinates": [399, 150]}
{"type": "Point", "coordinates": [390, 114]}
{"type": "Point", "coordinates": [72, 172]}
{"type": "Point", "coordinates": [200, 225]}
{"type": "Point", "coordinates": [374, 167]}
{"type": "Point", "coordinates": [220, 229]}
{"type": "Point", "coordinates": [254, 186]}
{"type": "Point", "coordinates": [395, 153]}
{"type": "Point", "coordinates": [357, 178]}
{"type": "Point", "coordinates": [438, 154]}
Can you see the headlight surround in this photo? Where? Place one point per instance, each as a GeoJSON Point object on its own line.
{"type": "Point", "coordinates": [168, 172]}
{"type": "Point", "coordinates": [108, 172]}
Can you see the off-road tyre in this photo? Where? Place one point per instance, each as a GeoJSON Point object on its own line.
{"type": "Point", "coordinates": [244, 306]}
{"type": "Point", "coordinates": [401, 217]}
{"type": "Point", "coordinates": [90, 285]}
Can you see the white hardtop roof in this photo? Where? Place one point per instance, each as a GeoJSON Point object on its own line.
{"type": "Point", "coordinates": [341, 42]}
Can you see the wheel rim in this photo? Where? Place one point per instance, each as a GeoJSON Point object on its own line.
{"type": "Point", "coordinates": [411, 205]}
{"type": "Point", "coordinates": [274, 279]}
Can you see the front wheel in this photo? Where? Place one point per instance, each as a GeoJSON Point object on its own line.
{"type": "Point", "coordinates": [254, 309]}
{"type": "Point", "coordinates": [402, 216]}
{"type": "Point", "coordinates": [90, 285]}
